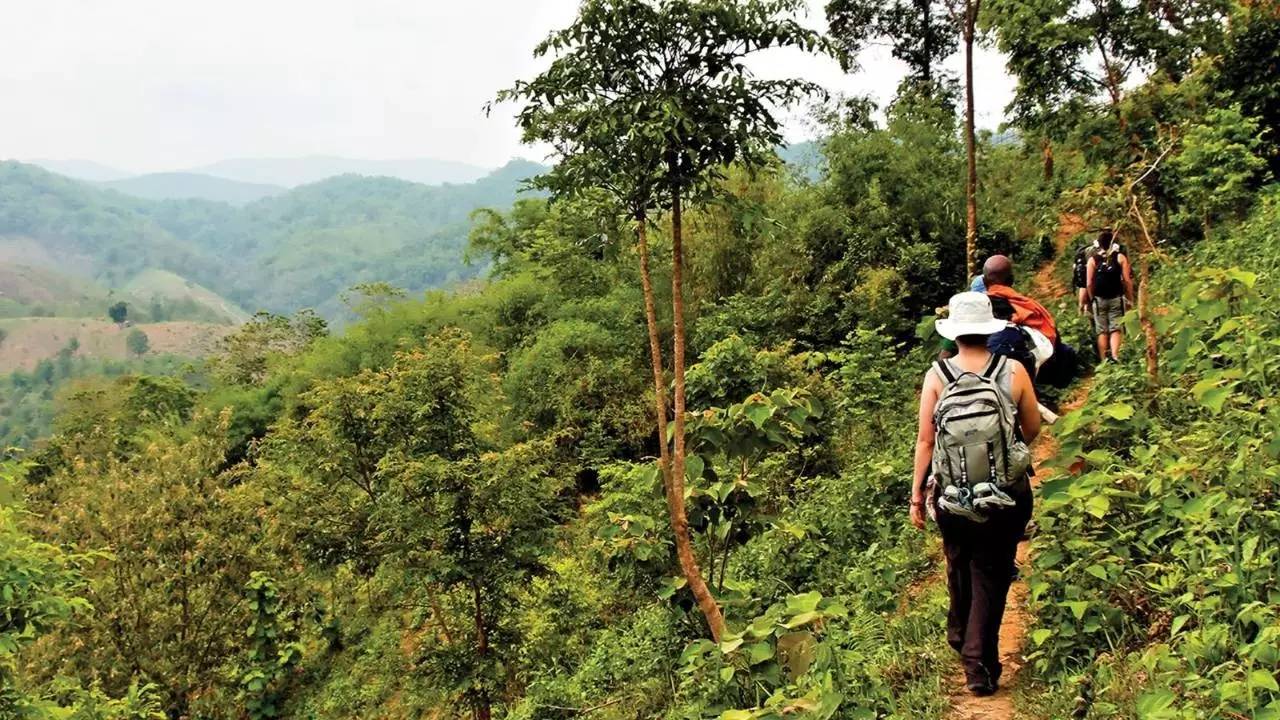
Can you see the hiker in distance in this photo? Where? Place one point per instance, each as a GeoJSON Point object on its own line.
{"type": "Point", "coordinates": [1109, 289]}
{"type": "Point", "coordinates": [978, 412]}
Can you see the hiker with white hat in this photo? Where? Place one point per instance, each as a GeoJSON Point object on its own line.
{"type": "Point", "coordinates": [978, 412]}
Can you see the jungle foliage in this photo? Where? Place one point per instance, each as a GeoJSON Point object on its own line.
{"type": "Point", "coordinates": [459, 505]}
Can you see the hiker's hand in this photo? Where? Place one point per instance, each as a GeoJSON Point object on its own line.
{"type": "Point", "coordinates": [917, 514]}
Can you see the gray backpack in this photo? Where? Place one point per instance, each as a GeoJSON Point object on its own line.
{"type": "Point", "coordinates": [977, 453]}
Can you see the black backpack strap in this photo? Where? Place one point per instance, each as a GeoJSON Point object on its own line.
{"type": "Point", "coordinates": [990, 372]}
{"type": "Point", "coordinates": [944, 369]}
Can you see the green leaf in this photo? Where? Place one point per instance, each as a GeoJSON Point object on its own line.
{"type": "Point", "coordinates": [762, 626]}
{"type": "Point", "coordinates": [759, 413]}
{"type": "Point", "coordinates": [726, 673]}
{"type": "Point", "coordinates": [1244, 277]}
{"type": "Point", "coordinates": [729, 646]}
{"type": "Point", "coordinates": [1227, 328]}
{"type": "Point", "coordinates": [1039, 636]}
{"type": "Point", "coordinates": [1118, 411]}
{"type": "Point", "coordinates": [693, 467]}
{"type": "Point", "coordinates": [1263, 678]}
{"type": "Point", "coordinates": [1214, 399]}
{"type": "Point", "coordinates": [759, 652]}
{"type": "Point", "coordinates": [1098, 505]}
{"type": "Point", "coordinates": [1156, 705]}
{"type": "Point", "coordinates": [808, 602]}
{"type": "Point", "coordinates": [1249, 548]}
{"type": "Point", "coordinates": [801, 619]}
{"type": "Point", "coordinates": [1077, 607]}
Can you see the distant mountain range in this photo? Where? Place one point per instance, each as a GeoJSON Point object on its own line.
{"type": "Point", "coordinates": [286, 250]}
{"type": "Point", "coordinates": [243, 180]}
{"type": "Point", "coordinates": [291, 172]}
{"type": "Point", "coordinates": [178, 185]}
{"type": "Point", "coordinates": [82, 169]}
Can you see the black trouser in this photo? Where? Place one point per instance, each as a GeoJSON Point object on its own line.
{"type": "Point", "coordinates": [979, 570]}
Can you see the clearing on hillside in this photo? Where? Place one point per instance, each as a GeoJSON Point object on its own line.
{"type": "Point", "coordinates": [27, 341]}
{"type": "Point", "coordinates": [175, 288]}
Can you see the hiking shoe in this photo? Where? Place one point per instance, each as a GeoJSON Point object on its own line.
{"type": "Point", "coordinates": [986, 496]}
{"type": "Point", "coordinates": [1029, 530]}
{"type": "Point", "coordinates": [980, 682]}
{"type": "Point", "coordinates": [956, 500]}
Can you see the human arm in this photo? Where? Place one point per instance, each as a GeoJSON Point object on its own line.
{"type": "Point", "coordinates": [1024, 394]}
{"type": "Point", "coordinates": [924, 446]}
{"type": "Point", "coordinates": [1092, 268]}
{"type": "Point", "coordinates": [1126, 274]}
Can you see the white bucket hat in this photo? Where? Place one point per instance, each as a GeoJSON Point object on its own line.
{"type": "Point", "coordinates": [969, 313]}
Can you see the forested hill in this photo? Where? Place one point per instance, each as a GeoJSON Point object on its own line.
{"type": "Point", "coordinates": [294, 250]}
{"type": "Point", "coordinates": [659, 464]}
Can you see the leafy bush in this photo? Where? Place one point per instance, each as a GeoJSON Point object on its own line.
{"type": "Point", "coordinates": [1158, 555]}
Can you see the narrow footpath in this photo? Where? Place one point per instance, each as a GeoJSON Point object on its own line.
{"type": "Point", "coordinates": [1046, 287]}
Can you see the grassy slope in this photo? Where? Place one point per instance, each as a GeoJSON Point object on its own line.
{"type": "Point", "coordinates": [29, 340]}
{"type": "Point", "coordinates": [26, 290]}
{"type": "Point", "coordinates": [170, 286]}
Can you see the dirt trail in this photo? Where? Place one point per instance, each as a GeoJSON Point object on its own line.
{"type": "Point", "coordinates": [1045, 286]}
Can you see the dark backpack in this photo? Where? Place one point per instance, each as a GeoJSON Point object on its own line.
{"type": "Point", "coordinates": [1014, 343]}
{"type": "Point", "coordinates": [1060, 369]}
{"type": "Point", "coordinates": [1080, 268]}
{"type": "Point", "coordinates": [1108, 276]}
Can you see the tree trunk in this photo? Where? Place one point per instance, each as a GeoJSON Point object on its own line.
{"type": "Point", "coordinates": [438, 611]}
{"type": "Point", "coordinates": [675, 486]}
{"type": "Point", "coordinates": [971, 149]}
{"type": "Point", "coordinates": [1149, 333]}
{"type": "Point", "coordinates": [1148, 327]}
{"type": "Point", "coordinates": [655, 350]}
{"type": "Point", "coordinates": [926, 67]}
{"type": "Point", "coordinates": [482, 706]}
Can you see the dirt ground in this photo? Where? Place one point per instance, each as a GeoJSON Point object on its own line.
{"type": "Point", "coordinates": [1045, 286]}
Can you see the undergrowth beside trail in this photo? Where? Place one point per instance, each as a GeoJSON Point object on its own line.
{"type": "Point", "coordinates": [1156, 579]}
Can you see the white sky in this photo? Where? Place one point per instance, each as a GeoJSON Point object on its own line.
{"type": "Point", "coordinates": [147, 85]}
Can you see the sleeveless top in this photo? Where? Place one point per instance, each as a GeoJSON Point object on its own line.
{"type": "Point", "coordinates": [1004, 378]}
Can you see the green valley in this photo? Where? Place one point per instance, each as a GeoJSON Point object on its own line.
{"type": "Point", "coordinates": [188, 271]}
{"type": "Point", "coordinates": [299, 249]}
{"type": "Point", "coordinates": [637, 442]}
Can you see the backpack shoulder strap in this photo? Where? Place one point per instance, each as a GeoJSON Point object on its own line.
{"type": "Point", "coordinates": [944, 369]}
{"type": "Point", "coordinates": [993, 367]}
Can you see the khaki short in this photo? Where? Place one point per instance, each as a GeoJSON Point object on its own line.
{"type": "Point", "coordinates": [1107, 313]}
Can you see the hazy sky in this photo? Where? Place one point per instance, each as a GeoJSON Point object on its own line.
{"type": "Point", "coordinates": [147, 85]}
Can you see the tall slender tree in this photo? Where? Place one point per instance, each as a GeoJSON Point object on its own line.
{"type": "Point", "coordinates": [652, 99]}
{"type": "Point", "coordinates": [921, 34]}
{"type": "Point", "coordinates": [964, 14]}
